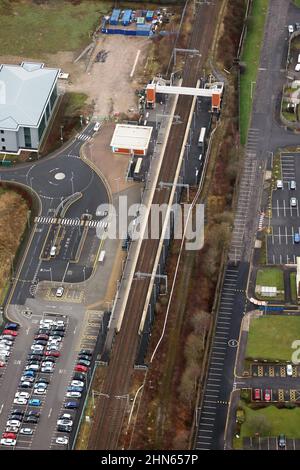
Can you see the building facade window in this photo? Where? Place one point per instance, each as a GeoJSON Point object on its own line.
{"type": "Point", "coordinates": [27, 137]}
{"type": "Point", "coordinates": [53, 97]}
{"type": "Point", "coordinates": [42, 126]}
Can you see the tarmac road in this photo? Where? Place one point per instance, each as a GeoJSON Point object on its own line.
{"type": "Point", "coordinates": [54, 179]}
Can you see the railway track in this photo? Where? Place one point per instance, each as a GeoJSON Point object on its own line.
{"type": "Point", "coordinates": [112, 404]}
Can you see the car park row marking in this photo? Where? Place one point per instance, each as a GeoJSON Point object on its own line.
{"type": "Point", "coordinates": [218, 352]}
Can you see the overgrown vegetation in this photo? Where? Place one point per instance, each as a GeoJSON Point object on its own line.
{"type": "Point", "coordinates": [13, 219]}
{"type": "Point", "coordinates": [250, 58]}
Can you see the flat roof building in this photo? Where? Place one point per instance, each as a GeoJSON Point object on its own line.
{"type": "Point", "coordinates": [28, 95]}
{"type": "Point", "coordinates": [131, 139]}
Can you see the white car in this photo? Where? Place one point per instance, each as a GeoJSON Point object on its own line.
{"type": "Point", "coordinates": [7, 342]}
{"type": "Point", "coordinates": [13, 422]}
{"type": "Point", "coordinates": [32, 367]}
{"type": "Point", "coordinates": [77, 383]}
{"type": "Point", "coordinates": [8, 442]}
{"type": "Point", "coordinates": [64, 440]}
{"type": "Point", "coordinates": [20, 401]}
{"type": "Point", "coordinates": [66, 416]}
{"type": "Point", "coordinates": [47, 364]}
{"type": "Point", "coordinates": [22, 395]}
{"type": "Point", "coordinates": [27, 431]}
{"type": "Point", "coordinates": [297, 68]}
{"type": "Point", "coordinates": [59, 323]}
{"type": "Point", "coordinates": [293, 202]}
{"type": "Point", "coordinates": [4, 353]}
{"type": "Point", "coordinates": [40, 385]}
{"type": "Point", "coordinates": [73, 395]}
{"type": "Point", "coordinates": [291, 28]}
{"type": "Point", "coordinates": [289, 370]}
{"type": "Point", "coordinates": [4, 347]}
{"type": "Point", "coordinates": [46, 322]}
{"type": "Point", "coordinates": [54, 340]}
{"type": "Point", "coordinates": [59, 292]}
{"type": "Point", "coordinates": [40, 391]}
{"type": "Point", "coordinates": [37, 347]}
{"type": "Point", "coordinates": [64, 422]}
{"type": "Point", "coordinates": [96, 126]}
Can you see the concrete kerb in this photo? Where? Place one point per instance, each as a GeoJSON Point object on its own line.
{"type": "Point", "coordinates": [247, 318]}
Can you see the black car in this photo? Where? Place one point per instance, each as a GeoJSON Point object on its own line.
{"type": "Point", "coordinates": [33, 413]}
{"type": "Point", "coordinates": [43, 331]}
{"type": "Point", "coordinates": [25, 385]}
{"type": "Point", "coordinates": [58, 328]}
{"type": "Point", "coordinates": [31, 419]}
{"type": "Point", "coordinates": [16, 417]}
{"type": "Point", "coordinates": [50, 359]}
{"type": "Point", "coordinates": [79, 376]}
{"type": "Point", "coordinates": [282, 441]}
{"type": "Point", "coordinates": [33, 357]}
{"type": "Point", "coordinates": [18, 412]}
{"type": "Point", "coordinates": [64, 428]}
{"type": "Point", "coordinates": [84, 357]}
{"type": "Point", "coordinates": [36, 354]}
{"type": "Point", "coordinates": [42, 380]}
{"type": "Point", "coordinates": [57, 334]}
{"type": "Point", "coordinates": [33, 361]}
{"type": "Point", "coordinates": [42, 342]}
{"type": "Point", "coordinates": [88, 352]}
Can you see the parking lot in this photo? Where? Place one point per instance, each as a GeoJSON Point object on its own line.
{"type": "Point", "coordinates": [285, 223]}
{"type": "Point", "coordinates": [269, 443]}
{"type": "Point", "coordinates": [272, 370]}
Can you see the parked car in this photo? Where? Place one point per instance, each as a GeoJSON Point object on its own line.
{"type": "Point", "coordinates": [72, 405]}
{"type": "Point", "coordinates": [97, 126]}
{"type": "Point", "coordinates": [20, 401]}
{"type": "Point", "coordinates": [11, 326]}
{"type": "Point", "coordinates": [8, 442]}
{"type": "Point", "coordinates": [289, 370]}
{"type": "Point", "coordinates": [279, 184]}
{"type": "Point", "coordinates": [26, 384]}
{"type": "Point", "coordinates": [257, 394]}
{"type": "Point", "coordinates": [31, 419]}
{"type": "Point", "coordinates": [74, 389]}
{"type": "Point", "coordinates": [296, 237]}
{"type": "Point", "coordinates": [26, 431]}
{"type": "Point", "coordinates": [84, 357]}
{"type": "Point", "coordinates": [79, 376]}
{"type": "Point", "coordinates": [77, 383]}
{"type": "Point", "coordinates": [10, 332]}
{"type": "Point", "coordinates": [59, 292]}
{"type": "Point", "coordinates": [83, 362]}
{"type": "Point", "coordinates": [40, 391]}
{"type": "Point", "coordinates": [29, 373]}
{"type": "Point", "coordinates": [16, 411]}
{"type": "Point", "coordinates": [267, 395]}
{"type": "Point", "coordinates": [9, 435]}
{"type": "Point", "coordinates": [293, 202]}
{"type": "Point", "coordinates": [33, 367]}
{"type": "Point", "coordinates": [34, 402]}
{"type": "Point", "coordinates": [80, 368]}
{"type": "Point", "coordinates": [290, 28]}
{"type": "Point", "coordinates": [62, 440]}
{"type": "Point", "coordinates": [37, 347]}
{"type": "Point", "coordinates": [73, 395]}
{"type": "Point", "coordinates": [282, 441]}
{"type": "Point", "coordinates": [52, 353]}
{"type": "Point", "coordinates": [22, 395]}
{"type": "Point", "coordinates": [293, 184]}
{"type": "Point", "coordinates": [42, 336]}
{"type": "Point", "coordinates": [47, 369]}
{"type": "Point", "coordinates": [13, 422]}
{"type": "Point", "coordinates": [64, 428]}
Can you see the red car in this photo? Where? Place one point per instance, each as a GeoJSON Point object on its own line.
{"type": "Point", "coordinates": [2, 364]}
{"type": "Point", "coordinates": [267, 395]}
{"type": "Point", "coordinates": [52, 353]}
{"type": "Point", "coordinates": [9, 435]}
{"type": "Point", "coordinates": [257, 394]}
{"type": "Point", "coordinates": [80, 368]}
{"type": "Point", "coordinates": [10, 332]}
{"type": "Point", "coordinates": [45, 337]}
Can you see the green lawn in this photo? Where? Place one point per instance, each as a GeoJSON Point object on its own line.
{"type": "Point", "coordinates": [282, 421]}
{"type": "Point", "coordinates": [31, 30]}
{"type": "Point", "coordinates": [270, 337]}
{"type": "Point", "coordinates": [293, 287]}
{"type": "Point", "coordinates": [297, 3]}
{"type": "Point", "coordinates": [251, 56]}
{"type": "Point", "coordinates": [270, 277]}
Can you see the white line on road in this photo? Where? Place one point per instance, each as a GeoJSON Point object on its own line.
{"type": "Point", "coordinates": [50, 411]}
{"type": "Point", "coordinates": [1, 408]}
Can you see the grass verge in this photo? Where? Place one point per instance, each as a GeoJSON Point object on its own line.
{"type": "Point", "coordinates": [251, 57]}
{"type": "Point", "coordinates": [32, 30]}
{"type": "Point", "coordinates": [270, 277]}
{"type": "Point", "coordinates": [279, 421]}
{"type": "Point", "coordinates": [270, 337]}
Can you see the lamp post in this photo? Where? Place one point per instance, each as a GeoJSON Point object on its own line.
{"type": "Point", "coordinates": [61, 133]}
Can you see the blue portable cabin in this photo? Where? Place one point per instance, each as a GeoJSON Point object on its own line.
{"type": "Point", "coordinates": [126, 20]}
{"type": "Point", "coordinates": [114, 19]}
{"type": "Point", "coordinates": [149, 15]}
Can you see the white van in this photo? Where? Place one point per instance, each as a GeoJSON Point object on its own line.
{"type": "Point", "coordinates": [101, 256]}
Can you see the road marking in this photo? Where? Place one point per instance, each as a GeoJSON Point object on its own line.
{"type": "Point", "coordinates": [50, 411]}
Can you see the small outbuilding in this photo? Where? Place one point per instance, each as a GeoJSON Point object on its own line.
{"type": "Point", "coordinates": [130, 139]}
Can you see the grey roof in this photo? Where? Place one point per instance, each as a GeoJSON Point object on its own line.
{"type": "Point", "coordinates": [24, 91]}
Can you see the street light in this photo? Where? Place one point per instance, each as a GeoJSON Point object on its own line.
{"type": "Point", "coordinates": [61, 133]}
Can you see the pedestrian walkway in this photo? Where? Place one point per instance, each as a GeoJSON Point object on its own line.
{"type": "Point", "coordinates": [71, 222]}
{"type": "Point", "coordinates": [84, 137]}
